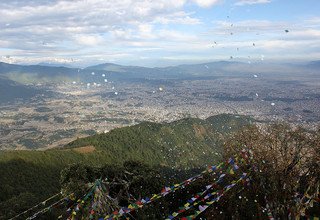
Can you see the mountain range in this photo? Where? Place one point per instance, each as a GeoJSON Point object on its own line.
{"type": "Point", "coordinates": [22, 81]}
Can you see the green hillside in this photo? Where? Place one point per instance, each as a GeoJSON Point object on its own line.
{"type": "Point", "coordinates": [187, 143]}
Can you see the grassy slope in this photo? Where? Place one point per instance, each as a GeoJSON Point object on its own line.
{"type": "Point", "coordinates": [185, 143]}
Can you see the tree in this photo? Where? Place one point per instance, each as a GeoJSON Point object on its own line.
{"type": "Point", "coordinates": [284, 171]}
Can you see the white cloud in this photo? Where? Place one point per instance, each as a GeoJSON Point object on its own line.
{"type": "Point", "coordinates": [314, 20]}
{"type": "Point", "coordinates": [176, 36]}
{"type": "Point", "coordinates": [251, 26]}
{"type": "Point", "coordinates": [251, 2]}
{"type": "Point", "coordinates": [179, 17]}
{"type": "Point", "coordinates": [122, 34]}
{"type": "Point", "coordinates": [129, 29]}
{"type": "Point", "coordinates": [88, 40]}
{"type": "Point", "coordinates": [272, 45]}
{"type": "Point", "coordinates": [206, 3]}
{"type": "Point", "coordinates": [146, 31]}
{"type": "Point", "coordinates": [23, 59]}
{"type": "Point", "coordinates": [75, 28]}
{"type": "Point", "coordinates": [63, 20]}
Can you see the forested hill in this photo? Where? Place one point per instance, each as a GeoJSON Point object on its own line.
{"type": "Point", "coordinates": [188, 142]}
{"type": "Point", "coordinates": [29, 176]}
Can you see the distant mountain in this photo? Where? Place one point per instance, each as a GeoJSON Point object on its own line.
{"type": "Point", "coordinates": [215, 65]}
{"type": "Point", "coordinates": [136, 72]}
{"type": "Point", "coordinates": [108, 67]}
{"type": "Point", "coordinates": [314, 64]}
{"type": "Point", "coordinates": [34, 74]}
{"type": "Point", "coordinates": [11, 90]}
{"type": "Point", "coordinates": [209, 69]}
{"type": "Point", "coordinates": [206, 69]}
{"type": "Point", "coordinates": [219, 68]}
{"type": "Point", "coordinates": [55, 64]}
{"type": "Point", "coordinates": [17, 81]}
{"type": "Point", "coordinates": [37, 74]}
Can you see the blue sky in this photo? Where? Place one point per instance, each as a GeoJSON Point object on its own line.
{"type": "Point", "coordinates": [158, 33]}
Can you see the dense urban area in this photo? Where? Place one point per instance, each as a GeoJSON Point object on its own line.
{"type": "Point", "coordinates": [80, 109]}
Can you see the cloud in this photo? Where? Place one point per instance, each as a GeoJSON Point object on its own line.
{"type": "Point", "coordinates": [88, 40]}
{"type": "Point", "coordinates": [206, 3]}
{"type": "Point", "coordinates": [251, 26]}
{"type": "Point", "coordinates": [88, 31]}
{"type": "Point", "coordinates": [251, 2]}
{"type": "Point", "coordinates": [255, 38]}
{"type": "Point", "coordinates": [285, 45]}
{"type": "Point", "coordinates": [179, 17]}
{"type": "Point", "coordinates": [73, 27]}
{"type": "Point", "coordinates": [37, 60]}
{"type": "Point", "coordinates": [146, 31]}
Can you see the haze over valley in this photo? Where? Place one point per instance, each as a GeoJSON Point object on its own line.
{"type": "Point", "coordinates": [45, 107]}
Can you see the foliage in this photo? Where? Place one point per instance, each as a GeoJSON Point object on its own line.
{"type": "Point", "coordinates": [188, 142]}
{"type": "Point", "coordinates": [128, 183]}
{"type": "Point", "coordinates": [23, 184]}
{"type": "Point", "coordinates": [285, 167]}
{"type": "Point", "coordinates": [17, 204]}
{"type": "Point", "coordinates": [135, 177]}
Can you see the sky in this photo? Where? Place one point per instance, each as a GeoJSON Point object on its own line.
{"type": "Point", "coordinates": [158, 33]}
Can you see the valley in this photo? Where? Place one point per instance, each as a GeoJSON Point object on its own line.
{"type": "Point", "coordinates": [101, 102]}
{"type": "Point", "coordinates": [148, 110]}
